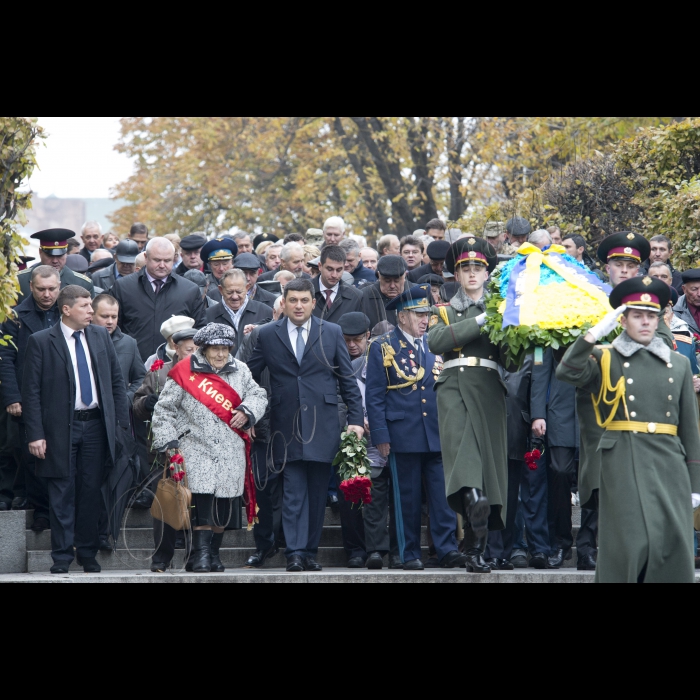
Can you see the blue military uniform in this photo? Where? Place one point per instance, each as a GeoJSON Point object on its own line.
{"type": "Point", "coordinates": [402, 411]}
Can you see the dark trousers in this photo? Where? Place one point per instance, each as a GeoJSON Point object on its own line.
{"type": "Point", "coordinates": [304, 506]}
{"type": "Point", "coordinates": [36, 487]}
{"type": "Point", "coordinates": [413, 470]}
{"type": "Point", "coordinates": [269, 487]}
{"type": "Point", "coordinates": [587, 540]}
{"type": "Point", "coordinates": [352, 527]}
{"type": "Point", "coordinates": [165, 539]}
{"type": "Point", "coordinates": [531, 488]}
{"type": "Point", "coordinates": [561, 475]}
{"type": "Point", "coordinates": [76, 501]}
{"type": "Point", "coordinates": [379, 537]}
{"type": "Point", "coordinates": [9, 469]}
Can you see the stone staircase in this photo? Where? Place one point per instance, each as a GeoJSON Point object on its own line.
{"type": "Point", "coordinates": [135, 547]}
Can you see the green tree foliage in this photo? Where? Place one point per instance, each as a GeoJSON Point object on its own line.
{"type": "Point", "coordinates": [18, 139]}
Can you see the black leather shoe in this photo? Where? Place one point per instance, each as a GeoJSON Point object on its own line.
{"type": "Point", "coordinates": [356, 563]}
{"type": "Point", "coordinates": [295, 565]}
{"type": "Point", "coordinates": [144, 501]}
{"type": "Point", "coordinates": [201, 553]}
{"type": "Point", "coordinates": [539, 562]}
{"type": "Point", "coordinates": [334, 504]}
{"type": "Point", "coordinates": [257, 561]}
{"type": "Point", "coordinates": [477, 512]}
{"type": "Point", "coordinates": [62, 567]}
{"type": "Point", "coordinates": [90, 566]}
{"type": "Point", "coordinates": [587, 563]}
{"type": "Point", "coordinates": [476, 564]}
{"type": "Point", "coordinates": [180, 542]}
{"type": "Point", "coordinates": [217, 566]}
{"type": "Point", "coordinates": [395, 563]}
{"type": "Point", "coordinates": [504, 565]}
{"type": "Point", "coordinates": [454, 560]}
{"type": "Point", "coordinates": [519, 562]}
{"type": "Point", "coordinates": [159, 568]}
{"type": "Point", "coordinates": [105, 545]}
{"type": "Point", "coordinates": [4, 507]}
{"type": "Point", "coordinates": [312, 566]}
{"type": "Point", "coordinates": [41, 524]}
{"type": "Point", "coordinates": [20, 503]}
{"type": "Point", "coordinates": [375, 562]}
{"type": "Point", "coordinates": [415, 565]}
{"type": "Point", "coordinates": [557, 561]}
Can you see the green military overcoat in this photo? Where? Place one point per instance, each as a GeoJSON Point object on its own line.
{"type": "Point", "coordinates": [646, 480]}
{"type": "Point", "coordinates": [472, 411]}
{"type": "Point", "coordinates": [590, 457]}
{"type": "Point", "coordinates": [68, 277]}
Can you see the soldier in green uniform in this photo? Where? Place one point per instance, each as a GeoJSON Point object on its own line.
{"type": "Point", "coordinates": [53, 251]}
{"type": "Point", "coordinates": [645, 405]}
{"type": "Point", "coordinates": [471, 401]}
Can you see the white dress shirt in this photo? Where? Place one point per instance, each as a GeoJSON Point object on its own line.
{"type": "Point", "coordinates": [152, 280]}
{"type": "Point", "coordinates": [293, 334]}
{"type": "Point", "coordinates": [236, 315]}
{"type": "Point", "coordinates": [70, 340]}
{"type": "Point", "coordinates": [325, 289]}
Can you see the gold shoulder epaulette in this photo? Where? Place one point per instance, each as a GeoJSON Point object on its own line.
{"type": "Point", "coordinates": [83, 277]}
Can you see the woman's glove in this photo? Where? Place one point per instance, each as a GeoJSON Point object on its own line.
{"type": "Point", "coordinates": [696, 501]}
{"type": "Point", "coordinates": [608, 324]}
{"type": "Point", "coordinates": [151, 402]}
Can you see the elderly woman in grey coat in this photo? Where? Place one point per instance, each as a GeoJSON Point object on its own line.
{"type": "Point", "coordinates": [205, 401]}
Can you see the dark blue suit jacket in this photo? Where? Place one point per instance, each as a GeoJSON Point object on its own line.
{"type": "Point", "coordinates": [406, 418]}
{"type": "Point", "coordinates": [304, 399]}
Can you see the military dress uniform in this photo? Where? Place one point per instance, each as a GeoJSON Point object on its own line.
{"type": "Point", "coordinates": [54, 243]}
{"type": "Point", "coordinates": [645, 405]}
{"type": "Point", "coordinates": [471, 400]}
{"type": "Point", "coordinates": [402, 411]}
{"type": "Point", "coordinates": [218, 250]}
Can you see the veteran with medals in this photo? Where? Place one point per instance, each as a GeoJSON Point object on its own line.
{"type": "Point", "coordinates": [206, 410]}
{"type": "Point", "coordinates": [646, 407]}
{"type": "Point", "coordinates": [402, 415]}
{"type": "Point", "coordinates": [471, 401]}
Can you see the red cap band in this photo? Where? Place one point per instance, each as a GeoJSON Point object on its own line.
{"type": "Point", "coordinates": [625, 253]}
{"type": "Point", "coordinates": [642, 299]}
{"type": "Point", "coordinates": [472, 256]}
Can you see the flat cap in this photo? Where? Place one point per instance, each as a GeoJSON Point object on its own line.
{"type": "Point", "coordinates": [193, 242]}
{"type": "Point", "coordinates": [219, 249]}
{"type": "Point", "coordinates": [247, 261]}
{"type": "Point", "coordinates": [434, 280]}
{"type": "Point", "coordinates": [517, 226]}
{"type": "Point", "coordinates": [691, 276]}
{"type": "Point", "coordinates": [215, 334]}
{"type": "Point", "coordinates": [438, 250]}
{"type": "Point", "coordinates": [127, 251]}
{"type": "Point", "coordinates": [196, 277]}
{"type": "Point", "coordinates": [184, 335]}
{"type": "Point", "coordinates": [264, 238]}
{"type": "Point", "coordinates": [354, 324]}
{"type": "Point", "coordinates": [78, 263]}
{"type": "Point", "coordinates": [392, 266]}
{"type": "Point", "coordinates": [176, 324]}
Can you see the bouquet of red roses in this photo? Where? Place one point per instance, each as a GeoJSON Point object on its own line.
{"type": "Point", "coordinates": [177, 467]}
{"type": "Point", "coordinates": [355, 470]}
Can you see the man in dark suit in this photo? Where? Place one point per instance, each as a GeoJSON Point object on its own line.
{"type": "Point", "coordinates": [437, 252]}
{"type": "Point", "coordinates": [391, 271]}
{"type": "Point", "coordinates": [150, 297]}
{"type": "Point", "coordinates": [308, 360]}
{"type": "Point", "coordinates": [36, 313]}
{"type": "Point", "coordinates": [74, 401]}
{"type": "Point", "coordinates": [292, 261]}
{"type": "Point", "coordinates": [53, 252]}
{"type": "Point", "coordinates": [191, 249]}
{"type": "Point", "coordinates": [235, 309]}
{"type": "Point", "coordinates": [333, 297]}
{"type": "Point", "coordinates": [249, 264]}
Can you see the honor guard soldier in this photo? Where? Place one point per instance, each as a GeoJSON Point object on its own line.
{"type": "Point", "coordinates": [53, 251]}
{"type": "Point", "coordinates": [646, 406]}
{"type": "Point", "coordinates": [218, 256]}
{"type": "Point", "coordinates": [471, 400]}
{"type": "Point", "coordinates": [403, 419]}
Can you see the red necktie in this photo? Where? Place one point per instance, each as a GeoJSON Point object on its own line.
{"type": "Point", "coordinates": [329, 301]}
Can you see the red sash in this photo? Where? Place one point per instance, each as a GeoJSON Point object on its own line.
{"type": "Point", "coordinates": [222, 400]}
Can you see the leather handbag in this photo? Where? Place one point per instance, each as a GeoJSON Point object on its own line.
{"type": "Point", "coordinates": [172, 503]}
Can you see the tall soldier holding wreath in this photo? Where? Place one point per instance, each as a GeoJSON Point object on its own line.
{"type": "Point", "coordinates": [206, 410]}
{"type": "Point", "coordinates": [471, 401]}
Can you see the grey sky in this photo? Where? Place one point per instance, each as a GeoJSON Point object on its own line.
{"type": "Point", "coordinates": [78, 159]}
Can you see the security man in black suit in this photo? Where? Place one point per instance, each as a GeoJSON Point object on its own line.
{"type": "Point", "coordinates": [334, 298]}
{"type": "Point", "coordinates": [38, 312]}
{"type": "Point", "coordinates": [74, 401]}
{"type": "Point", "coordinates": [235, 309]}
{"type": "Point", "coordinates": [53, 251]}
{"type": "Point", "coordinates": [191, 247]}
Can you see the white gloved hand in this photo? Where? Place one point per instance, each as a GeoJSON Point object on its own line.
{"type": "Point", "coordinates": [608, 324]}
{"type": "Point", "coordinates": [696, 501]}
{"type": "Point", "coordinates": [481, 320]}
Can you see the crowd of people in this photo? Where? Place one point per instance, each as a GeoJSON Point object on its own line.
{"type": "Point", "coordinates": [249, 350]}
